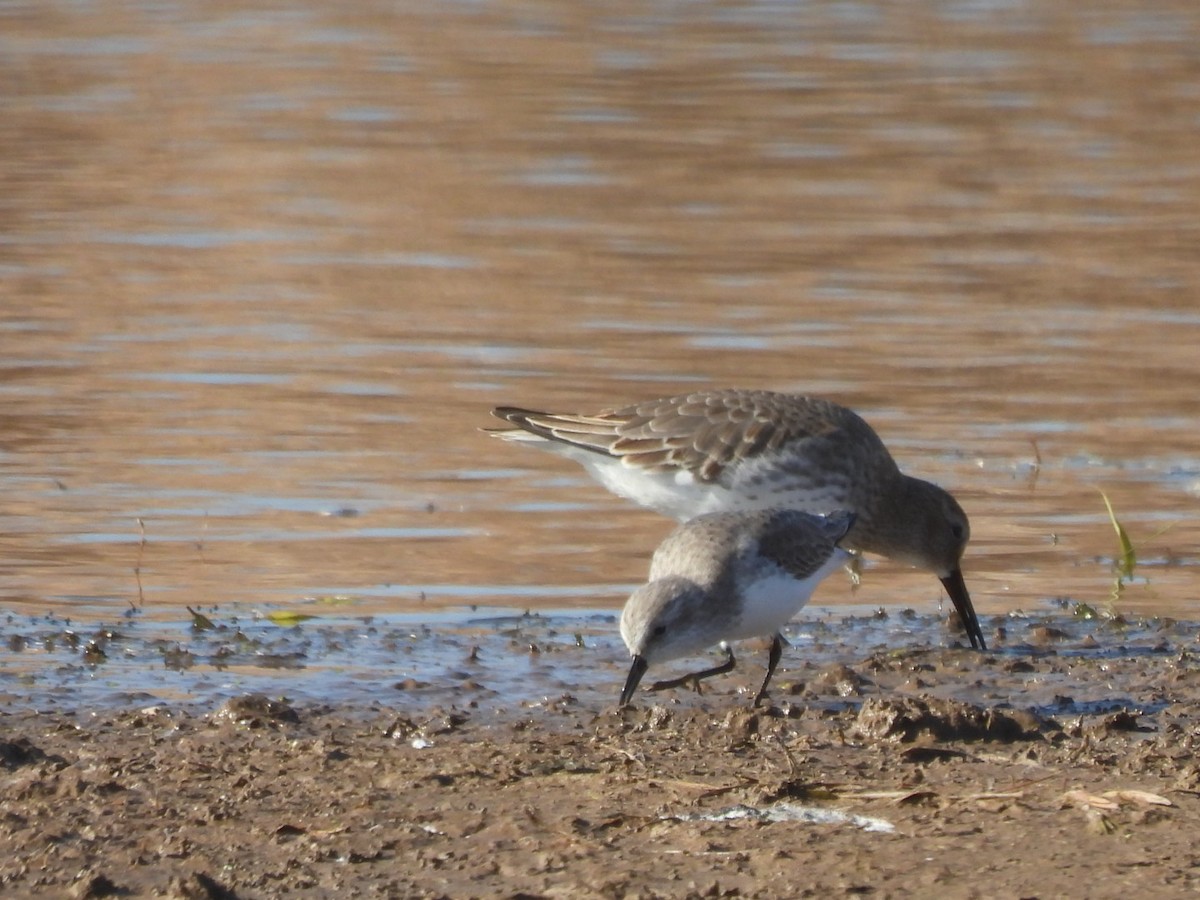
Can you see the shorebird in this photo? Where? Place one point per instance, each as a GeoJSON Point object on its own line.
{"type": "Point", "coordinates": [710, 451]}
{"type": "Point", "coordinates": [727, 576]}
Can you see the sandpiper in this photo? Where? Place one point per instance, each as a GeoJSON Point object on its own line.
{"type": "Point", "coordinates": [709, 451]}
{"type": "Point", "coordinates": [727, 576]}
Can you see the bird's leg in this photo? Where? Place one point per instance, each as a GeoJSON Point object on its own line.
{"type": "Point", "coordinates": [772, 661]}
{"type": "Point", "coordinates": [696, 677]}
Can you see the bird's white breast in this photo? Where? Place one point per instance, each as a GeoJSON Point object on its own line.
{"type": "Point", "coordinates": [772, 596]}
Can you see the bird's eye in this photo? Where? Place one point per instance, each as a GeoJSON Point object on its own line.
{"type": "Point", "coordinates": [659, 631]}
{"type": "Point", "coordinates": [957, 531]}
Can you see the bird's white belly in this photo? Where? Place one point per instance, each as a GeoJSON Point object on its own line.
{"type": "Point", "coordinates": [675, 493]}
{"type": "Point", "coordinates": [768, 604]}
{"type": "Point", "coordinates": [678, 494]}
{"type": "Point", "coordinates": [770, 601]}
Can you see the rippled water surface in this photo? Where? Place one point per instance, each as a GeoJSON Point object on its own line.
{"type": "Point", "coordinates": [264, 271]}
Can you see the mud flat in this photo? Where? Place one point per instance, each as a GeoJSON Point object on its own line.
{"type": "Point", "coordinates": [1061, 763]}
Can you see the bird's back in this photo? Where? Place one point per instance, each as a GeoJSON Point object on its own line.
{"type": "Point", "coordinates": [721, 450]}
{"type": "Point", "coordinates": [713, 548]}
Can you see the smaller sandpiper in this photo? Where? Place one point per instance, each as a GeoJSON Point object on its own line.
{"type": "Point", "coordinates": [728, 576]}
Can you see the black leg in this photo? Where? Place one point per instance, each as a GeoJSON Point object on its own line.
{"type": "Point", "coordinates": [696, 677]}
{"type": "Point", "coordinates": [772, 661]}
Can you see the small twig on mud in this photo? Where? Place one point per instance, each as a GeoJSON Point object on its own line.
{"type": "Point", "coordinates": [992, 795]}
{"type": "Point", "coordinates": [1022, 784]}
{"type": "Point", "coordinates": [793, 766]}
{"type": "Point", "coordinates": [706, 790]}
{"type": "Point", "coordinates": [901, 795]}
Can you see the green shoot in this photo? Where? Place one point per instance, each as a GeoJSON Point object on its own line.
{"type": "Point", "coordinates": [1127, 561]}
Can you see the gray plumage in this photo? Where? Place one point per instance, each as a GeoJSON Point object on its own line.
{"type": "Point", "coordinates": [725, 577]}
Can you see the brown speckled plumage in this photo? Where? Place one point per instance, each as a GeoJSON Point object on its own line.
{"type": "Point", "coordinates": [710, 451]}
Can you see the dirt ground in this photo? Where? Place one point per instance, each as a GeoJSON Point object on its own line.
{"type": "Point", "coordinates": [862, 779]}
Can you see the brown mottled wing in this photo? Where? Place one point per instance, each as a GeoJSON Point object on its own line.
{"type": "Point", "coordinates": [799, 542]}
{"type": "Point", "coordinates": [702, 432]}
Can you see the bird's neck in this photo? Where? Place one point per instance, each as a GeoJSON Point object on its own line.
{"type": "Point", "coordinates": [899, 525]}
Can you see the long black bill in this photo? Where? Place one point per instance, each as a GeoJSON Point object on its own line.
{"type": "Point", "coordinates": [957, 589]}
{"type": "Point", "coordinates": [636, 671]}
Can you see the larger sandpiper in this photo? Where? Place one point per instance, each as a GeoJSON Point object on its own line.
{"type": "Point", "coordinates": [727, 576]}
{"type": "Point", "coordinates": [731, 450]}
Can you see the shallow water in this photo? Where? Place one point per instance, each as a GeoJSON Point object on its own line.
{"type": "Point", "coordinates": [1063, 664]}
{"type": "Point", "coordinates": [263, 274]}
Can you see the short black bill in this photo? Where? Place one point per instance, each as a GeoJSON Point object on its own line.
{"type": "Point", "coordinates": [957, 589]}
{"type": "Point", "coordinates": [636, 671]}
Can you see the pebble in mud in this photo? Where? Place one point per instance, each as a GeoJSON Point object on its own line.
{"type": "Point", "coordinates": [1046, 635]}
{"type": "Point", "coordinates": [199, 887]}
{"type": "Point", "coordinates": [904, 719]}
{"type": "Point", "coordinates": [741, 723]}
{"type": "Point", "coordinates": [839, 679]}
{"type": "Point", "coordinates": [93, 887]}
{"type": "Point", "coordinates": [257, 710]}
{"type": "Point", "coordinates": [22, 752]}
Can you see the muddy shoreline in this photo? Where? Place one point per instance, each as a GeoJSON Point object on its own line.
{"type": "Point", "coordinates": [1061, 763]}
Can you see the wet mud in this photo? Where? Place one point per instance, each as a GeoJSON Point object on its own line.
{"type": "Point", "coordinates": [887, 760]}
